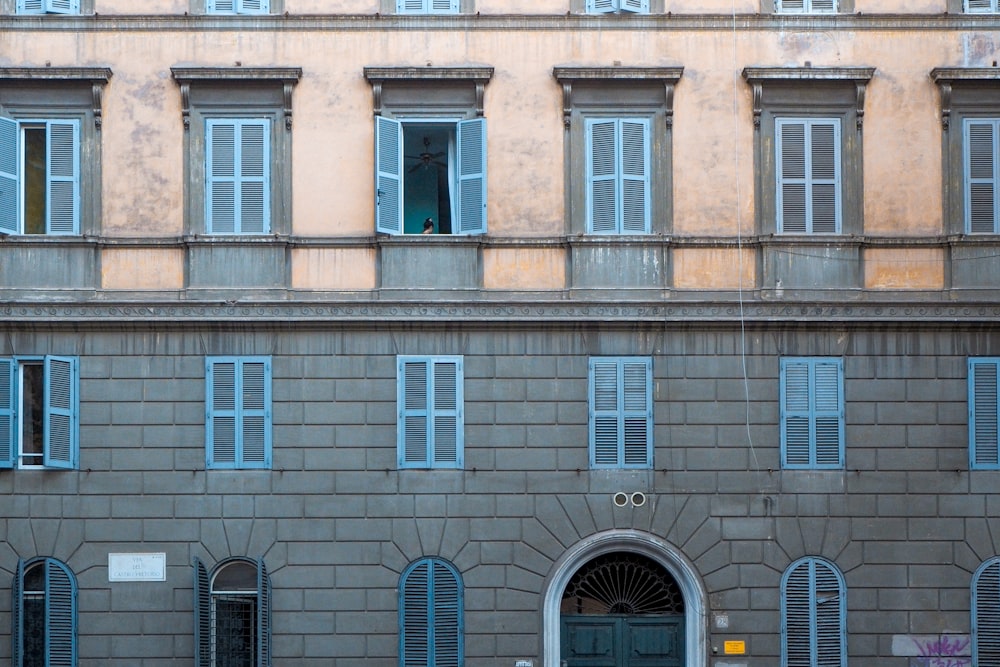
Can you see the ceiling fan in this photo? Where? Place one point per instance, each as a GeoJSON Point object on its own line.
{"type": "Point", "coordinates": [426, 158]}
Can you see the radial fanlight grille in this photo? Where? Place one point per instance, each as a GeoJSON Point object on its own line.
{"type": "Point", "coordinates": [622, 584]}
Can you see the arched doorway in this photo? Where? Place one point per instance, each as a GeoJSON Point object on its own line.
{"type": "Point", "coordinates": [591, 583]}
{"type": "Point", "coordinates": [622, 609]}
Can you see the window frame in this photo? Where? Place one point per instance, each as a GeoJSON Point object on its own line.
{"type": "Point", "coordinates": [238, 179]}
{"type": "Point", "coordinates": [984, 441]}
{"type": "Point", "coordinates": [406, 451]}
{"type": "Point", "coordinates": [61, 413]}
{"type": "Point", "coordinates": [591, 94]}
{"type": "Point", "coordinates": [809, 93]}
{"type": "Point", "coordinates": [619, 174]}
{"type": "Point", "coordinates": [60, 95]}
{"type": "Point", "coordinates": [617, 6]}
{"type": "Point", "coordinates": [621, 413]}
{"type": "Point", "coordinates": [791, 451]}
{"type": "Point", "coordinates": [204, 632]}
{"type": "Point", "coordinates": [406, 96]}
{"type": "Point", "coordinates": [239, 413]}
{"type": "Point", "coordinates": [203, 7]}
{"type": "Point", "coordinates": [74, 8]}
{"type": "Point", "coordinates": [812, 565]}
{"type": "Point", "coordinates": [432, 607]}
{"type": "Point", "coordinates": [210, 94]}
{"type": "Point", "coordinates": [809, 180]}
{"type": "Point", "coordinates": [969, 180]}
{"type": "Point", "coordinates": [989, 568]}
{"type": "Point", "coordinates": [809, 7]}
{"type": "Point", "coordinates": [60, 610]}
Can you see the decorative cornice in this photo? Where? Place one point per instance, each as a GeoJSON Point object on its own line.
{"type": "Point", "coordinates": [567, 75]}
{"type": "Point", "coordinates": [97, 77]}
{"type": "Point", "coordinates": [947, 77]}
{"type": "Point", "coordinates": [478, 76]}
{"type": "Point", "coordinates": [286, 76]}
{"type": "Point", "coordinates": [757, 77]}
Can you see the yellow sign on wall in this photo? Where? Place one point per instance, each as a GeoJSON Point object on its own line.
{"type": "Point", "coordinates": [735, 648]}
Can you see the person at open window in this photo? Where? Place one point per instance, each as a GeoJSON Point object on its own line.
{"type": "Point", "coordinates": [428, 226]}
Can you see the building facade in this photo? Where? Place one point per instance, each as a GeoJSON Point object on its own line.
{"type": "Point", "coordinates": [592, 333]}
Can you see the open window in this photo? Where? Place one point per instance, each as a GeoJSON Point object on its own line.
{"type": "Point", "coordinates": [430, 150]}
{"type": "Point", "coordinates": [39, 412]}
{"type": "Point", "coordinates": [232, 609]}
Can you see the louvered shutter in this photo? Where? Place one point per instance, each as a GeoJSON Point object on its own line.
{"type": "Point", "coordinates": [602, 186]}
{"type": "Point", "coordinates": [635, 182]}
{"type": "Point", "coordinates": [604, 411]}
{"type": "Point", "coordinates": [986, 6]}
{"type": "Point", "coordinates": [824, 183]}
{"type": "Point", "coordinates": [62, 419]}
{"type": "Point", "coordinates": [446, 611]}
{"type": "Point", "coordinates": [255, 413]}
{"type": "Point", "coordinates": [637, 413]}
{"type": "Point", "coordinates": [601, 6]}
{"type": "Point", "coordinates": [796, 623]}
{"type": "Point", "coordinates": [813, 606]}
{"type": "Point", "coordinates": [472, 176]}
{"type": "Point", "coordinates": [10, 178]}
{"type": "Point", "coordinates": [253, 6]}
{"type": "Point", "coordinates": [414, 622]}
{"type": "Point", "coordinates": [263, 615]}
{"type": "Point", "coordinates": [254, 177]}
{"type": "Point", "coordinates": [220, 412]}
{"type": "Point", "coordinates": [8, 408]}
{"type": "Point", "coordinates": [221, 6]}
{"type": "Point", "coordinates": [63, 176]}
{"type": "Point", "coordinates": [982, 190]}
{"type": "Point", "coordinates": [411, 6]}
{"type": "Point", "coordinates": [637, 6]}
{"type": "Point", "coordinates": [60, 616]}
{"type": "Point", "coordinates": [444, 6]}
{"type": "Point", "coordinates": [388, 176]}
{"type": "Point", "coordinates": [795, 414]}
{"type": "Point", "coordinates": [812, 413]}
{"type": "Point", "coordinates": [446, 437]}
{"type": "Point", "coordinates": [829, 415]}
{"type": "Point", "coordinates": [202, 616]}
{"type": "Point", "coordinates": [413, 401]}
{"type": "Point", "coordinates": [984, 408]}
{"type": "Point", "coordinates": [220, 175]}
{"type": "Point", "coordinates": [790, 141]}
{"type": "Point", "coordinates": [791, 5]}
{"type": "Point", "coordinates": [986, 615]}
{"type": "Point", "coordinates": [63, 6]}
{"type": "Point", "coordinates": [829, 616]}
{"type": "Point", "coordinates": [30, 6]}
{"type": "Point", "coordinates": [823, 6]}
{"type": "Point", "coordinates": [17, 615]}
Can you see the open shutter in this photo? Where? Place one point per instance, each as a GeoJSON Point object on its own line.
{"type": "Point", "coordinates": [447, 419]}
{"type": "Point", "coordinates": [637, 417]}
{"type": "Point", "coordinates": [263, 615]}
{"type": "Point", "coordinates": [824, 193]}
{"type": "Point", "coordinates": [605, 435]}
{"type": "Point", "coordinates": [254, 6]}
{"type": "Point", "coordinates": [446, 613]}
{"type": "Point", "coordinates": [10, 187]}
{"type": "Point", "coordinates": [60, 615]}
{"type": "Point", "coordinates": [829, 412]}
{"type": "Point", "coordinates": [254, 216]}
{"type": "Point", "coordinates": [413, 404]}
{"type": "Point", "coordinates": [601, 6]}
{"type": "Point", "coordinates": [635, 164]}
{"type": "Point", "coordinates": [30, 6]}
{"type": "Point", "coordinates": [414, 622]}
{"type": "Point", "coordinates": [986, 614]}
{"type": "Point", "coordinates": [637, 6]}
{"type": "Point", "coordinates": [829, 615]}
{"type": "Point", "coordinates": [254, 379]}
{"type": "Point", "coordinates": [472, 176]}
{"type": "Point", "coordinates": [796, 621]}
{"type": "Point", "coordinates": [795, 414]}
{"type": "Point", "coordinates": [63, 177]}
{"type": "Point", "coordinates": [984, 409]}
{"type": "Point", "coordinates": [202, 616]}
{"type": "Point", "coordinates": [17, 615]}
{"type": "Point", "coordinates": [63, 6]}
{"type": "Point", "coordinates": [8, 409]}
{"type": "Point", "coordinates": [62, 418]}
{"type": "Point", "coordinates": [388, 176]}
{"type": "Point", "coordinates": [220, 412]}
{"type": "Point", "coordinates": [601, 162]}
{"type": "Point", "coordinates": [982, 190]}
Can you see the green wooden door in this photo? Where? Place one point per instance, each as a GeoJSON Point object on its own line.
{"type": "Point", "coordinates": [622, 641]}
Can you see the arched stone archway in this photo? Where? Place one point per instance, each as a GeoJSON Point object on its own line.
{"type": "Point", "coordinates": [629, 541]}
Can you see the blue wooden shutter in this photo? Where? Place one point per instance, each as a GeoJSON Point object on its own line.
{"type": "Point", "coordinates": [635, 164]}
{"type": "Point", "coordinates": [10, 176]}
{"type": "Point", "coordinates": [812, 413]}
{"type": "Point", "coordinates": [808, 175]}
{"type": "Point", "coordinates": [63, 6]}
{"type": "Point", "coordinates": [431, 626]}
{"type": "Point", "coordinates": [30, 6]}
{"type": "Point", "coordinates": [220, 177]}
{"type": "Point", "coordinates": [981, 143]}
{"type": "Point", "coordinates": [986, 614]}
{"type": "Point", "coordinates": [620, 412]}
{"type": "Point", "coordinates": [254, 6]}
{"type": "Point", "coordinates": [605, 435]}
{"type": "Point", "coordinates": [472, 176]}
{"type": "Point", "coordinates": [414, 622]}
{"type": "Point", "coordinates": [8, 410]}
{"type": "Point", "coordinates": [17, 614]}
{"type": "Point", "coordinates": [985, 6]}
{"type": "Point", "coordinates": [601, 6]}
{"type": "Point", "coordinates": [202, 616]}
{"type": "Point", "coordinates": [637, 6]}
{"type": "Point", "coordinates": [984, 409]}
{"type": "Point", "coordinates": [791, 5]}
{"type": "Point", "coordinates": [63, 176]}
{"type": "Point", "coordinates": [238, 412]}
{"type": "Point", "coordinates": [430, 412]}
{"type": "Point", "coordinates": [823, 6]}
{"type": "Point", "coordinates": [446, 616]}
{"type": "Point", "coordinates": [637, 413]}
{"type": "Point", "coordinates": [602, 169]}
{"type": "Point", "coordinates": [388, 176]}
{"type": "Point", "coordinates": [220, 412]}
{"type": "Point", "coordinates": [444, 6]}
{"type": "Point", "coordinates": [824, 157]}
{"type": "Point", "coordinates": [830, 610]}
{"type": "Point", "coordinates": [62, 412]}
{"type": "Point", "coordinates": [255, 413]}
{"type": "Point", "coordinates": [447, 425]}
{"type": "Point", "coordinates": [796, 625]}
{"type": "Point", "coordinates": [813, 612]}
{"type": "Point", "coordinates": [221, 6]}
{"type": "Point", "coordinates": [263, 615]}
{"type": "Point", "coordinates": [413, 407]}
{"type": "Point", "coordinates": [255, 176]}
{"type": "Point", "coordinates": [60, 615]}
{"type": "Point", "coordinates": [238, 175]}
{"type": "Point", "coordinates": [412, 6]}
{"type": "Point", "coordinates": [790, 140]}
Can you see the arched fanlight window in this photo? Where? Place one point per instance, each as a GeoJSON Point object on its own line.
{"type": "Point", "coordinates": [44, 618]}
{"type": "Point", "coordinates": [430, 615]}
{"type": "Point", "coordinates": [622, 583]}
{"type": "Point", "coordinates": [232, 614]}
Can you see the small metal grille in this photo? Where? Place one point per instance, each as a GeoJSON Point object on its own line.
{"type": "Point", "coordinates": [622, 583]}
{"type": "Point", "coordinates": [234, 629]}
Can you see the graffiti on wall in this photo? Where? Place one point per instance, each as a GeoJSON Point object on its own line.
{"type": "Point", "coordinates": [947, 650]}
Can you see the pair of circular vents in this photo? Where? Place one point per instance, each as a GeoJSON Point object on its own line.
{"type": "Point", "coordinates": [622, 499]}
